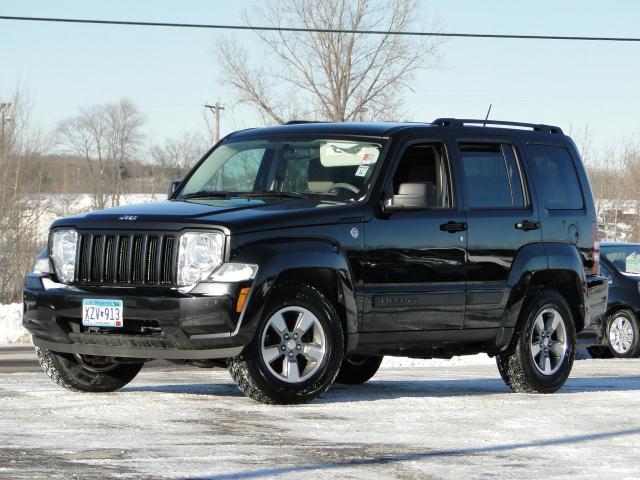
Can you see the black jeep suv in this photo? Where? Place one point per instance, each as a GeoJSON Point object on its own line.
{"type": "Point", "coordinates": [299, 255]}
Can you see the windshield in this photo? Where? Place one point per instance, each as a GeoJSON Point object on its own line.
{"type": "Point", "coordinates": [625, 258]}
{"type": "Point", "coordinates": [338, 169]}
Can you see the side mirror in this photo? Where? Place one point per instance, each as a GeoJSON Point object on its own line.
{"type": "Point", "coordinates": [173, 186]}
{"type": "Point", "coordinates": [412, 196]}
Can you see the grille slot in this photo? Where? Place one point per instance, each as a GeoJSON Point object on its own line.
{"type": "Point", "coordinates": [126, 259]}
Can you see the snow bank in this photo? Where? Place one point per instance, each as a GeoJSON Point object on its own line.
{"type": "Point", "coordinates": [11, 329]}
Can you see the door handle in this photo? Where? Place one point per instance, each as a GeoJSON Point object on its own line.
{"type": "Point", "coordinates": [453, 227]}
{"type": "Point", "coordinates": [526, 225]}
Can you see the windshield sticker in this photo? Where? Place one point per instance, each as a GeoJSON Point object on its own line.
{"type": "Point", "coordinates": [368, 159]}
{"type": "Point", "coordinates": [362, 170]}
{"type": "Point", "coordinates": [633, 263]}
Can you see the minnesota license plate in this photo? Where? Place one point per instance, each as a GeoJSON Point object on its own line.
{"type": "Point", "coordinates": [102, 313]}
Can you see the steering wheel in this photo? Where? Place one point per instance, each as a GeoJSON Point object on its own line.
{"type": "Point", "coordinates": [343, 186]}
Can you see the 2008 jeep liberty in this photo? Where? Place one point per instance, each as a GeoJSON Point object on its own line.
{"type": "Point", "coordinates": [300, 255]}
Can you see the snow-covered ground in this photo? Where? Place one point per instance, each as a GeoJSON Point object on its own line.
{"type": "Point", "coordinates": [450, 422]}
{"type": "Point", "coordinates": [11, 329]}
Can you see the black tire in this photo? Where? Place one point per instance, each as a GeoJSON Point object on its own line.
{"type": "Point", "coordinates": [599, 351]}
{"type": "Point", "coordinates": [517, 366]}
{"type": "Point", "coordinates": [75, 374]}
{"type": "Point", "coordinates": [358, 369]}
{"type": "Point", "coordinates": [617, 349]}
{"type": "Point", "coordinates": [259, 381]}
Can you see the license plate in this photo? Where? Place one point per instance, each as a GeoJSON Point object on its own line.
{"type": "Point", "coordinates": [102, 313]}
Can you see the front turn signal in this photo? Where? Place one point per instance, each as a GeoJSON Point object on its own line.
{"type": "Point", "coordinates": [242, 298]}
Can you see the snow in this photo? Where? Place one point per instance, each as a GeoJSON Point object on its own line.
{"type": "Point", "coordinates": [455, 422]}
{"type": "Point", "coordinates": [11, 329]}
{"type": "Point", "coordinates": [479, 359]}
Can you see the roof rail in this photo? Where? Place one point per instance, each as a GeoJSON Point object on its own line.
{"type": "Point", "coordinates": [461, 122]}
{"type": "Point", "coordinates": [302, 122]}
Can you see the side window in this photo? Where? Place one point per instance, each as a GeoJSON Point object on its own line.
{"type": "Point", "coordinates": [426, 163]}
{"type": "Point", "coordinates": [557, 174]}
{"type": "Point", "coordinates": [493, 175]}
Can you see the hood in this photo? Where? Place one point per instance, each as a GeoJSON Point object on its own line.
{"type": "Point", "coordinates": [236, 215]}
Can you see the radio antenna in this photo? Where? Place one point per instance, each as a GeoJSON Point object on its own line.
{"type": "Point", "coordinates": [487, 117]}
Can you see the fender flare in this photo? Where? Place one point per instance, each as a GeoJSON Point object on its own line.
{"type": "Point", "coordinates": [532, 259]}
{"type": "Point", "coordinates": [276, 257]}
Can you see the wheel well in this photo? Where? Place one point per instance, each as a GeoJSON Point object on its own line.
{"type": "Point", "coordinates": [617, 307]}
{"type": "Point", "coordinates": [324, 280]}
{"type": "Point", "coordinates": [567, 283]}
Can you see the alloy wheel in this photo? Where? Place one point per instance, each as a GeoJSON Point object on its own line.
{"type": "Point", "coordinates": [621, 334]}
{"type": "Point", "coordinates": [293, 344]}
{"type": "Point", "coordinates": [548, 341]}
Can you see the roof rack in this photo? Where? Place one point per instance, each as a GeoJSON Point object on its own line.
{"type": "Point", "coordinates": [461, 122]}
{"type": "Point", "coordinates": [302, 122]}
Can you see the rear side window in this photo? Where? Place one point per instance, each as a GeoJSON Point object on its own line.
{"type": "Point", "coordinates": [492, 175]}
{"type": "Point", "coordinates": [558, 177]}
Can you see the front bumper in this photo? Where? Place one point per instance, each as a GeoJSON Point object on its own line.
{"type": "Point", "coordinates": [158, 322]}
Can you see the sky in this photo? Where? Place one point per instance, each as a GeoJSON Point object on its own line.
{"type": "Point", "coordinates": [170, 73]}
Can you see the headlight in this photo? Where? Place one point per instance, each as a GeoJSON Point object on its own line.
{"type": "Point", "coordinates": [63, 254]}
{"type": "Point", "coordinates": [199, 255]}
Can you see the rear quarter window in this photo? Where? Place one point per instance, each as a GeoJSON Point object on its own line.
{"type": "Point", "coordinates": [558, 179]}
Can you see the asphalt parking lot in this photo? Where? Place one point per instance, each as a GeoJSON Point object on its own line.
{"type": "Point", "coordinates": [446, 422]}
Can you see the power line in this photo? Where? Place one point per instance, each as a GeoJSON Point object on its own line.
{"type": "Point", "coordinates": [319, 30]}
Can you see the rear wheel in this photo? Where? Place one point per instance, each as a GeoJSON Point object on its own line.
{"type": "Point", "coordinates": [622, 334]}
{"type": "Point", "coordinates": [297, 350]}
{"type": "Point", "coordinates": [541, 358]}
{"type": "Point", "coordinates": [357, 369]}
{"type": "Point", "coordinates": [86, 373]}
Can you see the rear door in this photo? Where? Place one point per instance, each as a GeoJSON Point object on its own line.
{"type": "Point", "coordinates": [501, 219]}
{"type": "Point", "coordinates": [565, 214]}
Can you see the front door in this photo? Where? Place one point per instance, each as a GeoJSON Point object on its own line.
{"type": "Point", "coordinates": [417, 257]}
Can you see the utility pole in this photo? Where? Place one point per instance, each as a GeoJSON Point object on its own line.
{"type": "Point", "coordinates": [4, 119]}
{"type": "Point", "coordinates": [215, 109]}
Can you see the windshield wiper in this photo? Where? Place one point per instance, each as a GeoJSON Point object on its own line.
{"type": "Point", "coordinates": [207, 194]}
{"type": "Point", "coordinates": [274, 193]}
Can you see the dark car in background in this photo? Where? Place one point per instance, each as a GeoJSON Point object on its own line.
{"type": "Point", "coordinates": [620, 330]}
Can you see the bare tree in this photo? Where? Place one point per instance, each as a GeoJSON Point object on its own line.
{"type": "Point", "coordinates": [611, 172]}
{"type": "Point", "coordinates": [179, 154]}
{"type": "Point", "coordinates": [22, 226]}
{"type": "Point", "coordinates": [327, 75]}
{"type": "Point", "coordinates": [107, 136]}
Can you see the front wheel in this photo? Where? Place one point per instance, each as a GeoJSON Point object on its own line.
{"type": "Point", "coordinates": [622, 334]}
{"type": "Point", "coordinates": [541, 358]}
{"type": "Point", "coordinates": [86, 373]}
{"type": "Point", "coordinates": [296, 353]}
